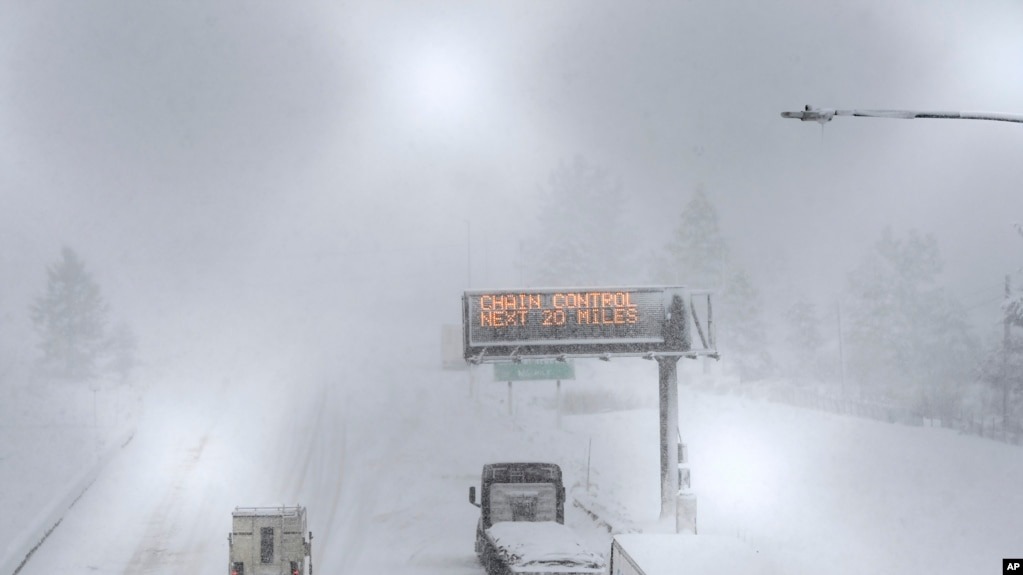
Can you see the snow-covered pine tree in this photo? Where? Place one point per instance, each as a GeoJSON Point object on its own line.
{"type": "Point", "coordinates": [583, 237]}
{"type": "Point", "coordinates": [907, 337]}
{"type": "Point", "coordinates": [1013, 304]}
{"type": "Point", "coordinates": [121, 348]}
{"type": "Point", "coordinates": [742, 332]}
{"type": "Point", "coordinates": [70, 320]}
{"type": "Point", "coordinates": [697, 255]}
{"type": "Point", "coordinates": [804, 338]}
{"type": "Point", "coordinates": [1002, 368]}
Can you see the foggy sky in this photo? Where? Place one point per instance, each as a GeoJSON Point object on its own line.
{"type": "Point", "coordinates": [212, 159]}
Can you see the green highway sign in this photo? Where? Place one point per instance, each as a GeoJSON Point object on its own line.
{"type": "Point", "coordinates": [533, 370]}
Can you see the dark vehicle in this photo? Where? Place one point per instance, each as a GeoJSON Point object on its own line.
{"type": "Point", "coordinates": [522, 529]}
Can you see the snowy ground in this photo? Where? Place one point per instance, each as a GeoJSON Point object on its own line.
{"type": "Point", "coordinates": [817, 491]}
{"type": "Point", "coordinates": [383, 455]}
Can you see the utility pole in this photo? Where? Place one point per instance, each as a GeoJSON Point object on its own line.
{"type": "Point", "coordinates": [1005, 356]}
{"type": "Point", "coordinates": [841, 347]}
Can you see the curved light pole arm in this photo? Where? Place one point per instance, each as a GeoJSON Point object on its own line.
{"type": "Point", "coordinates": [822, 115]}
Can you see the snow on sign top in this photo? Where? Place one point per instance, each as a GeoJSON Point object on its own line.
{"type": "Point", "coordinates": [562, 322]}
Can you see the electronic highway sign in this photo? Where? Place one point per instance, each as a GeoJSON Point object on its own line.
{"type": "Point", "coordinates": [574, 322]}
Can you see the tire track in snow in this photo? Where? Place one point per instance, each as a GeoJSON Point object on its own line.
{"type": "Point", "coordinates": [318, 468]}
{"type": "Point", "coordinates": [302, 441]}
{"type": "Point", "coordinates": [152, 551]}
{"type": "Point", "coordinates": [332, 465]}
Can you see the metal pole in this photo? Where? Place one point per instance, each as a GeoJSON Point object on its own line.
{"type": "Point", "coordinates": [589, 452]}
{"type": "Point", "coordinates": [510, 411]}
{"type": "Point", "coordinates": [557, 401]}
{"type": "Point", "coordinates": [667, 374]}
{"type": "Point", "coordinates": [841, 347]}
{"type": "Point", "coordinates": [95, 423]}
{"type": "Point", "coordinates": [1005, 356]}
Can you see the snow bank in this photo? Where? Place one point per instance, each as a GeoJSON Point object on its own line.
{"type": "Point", "coordinates": [34, 530]}
{"type": "Point", "coordinates": [664, 554]}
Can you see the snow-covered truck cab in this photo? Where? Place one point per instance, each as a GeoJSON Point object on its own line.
{"type": "Point", "coordinates": [520, 492]}
{"type": "Point", "coordinates": [269, 541]}
{"type": "Point", "coordinates": [521, 526]}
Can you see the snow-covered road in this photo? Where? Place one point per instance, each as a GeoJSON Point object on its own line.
{"type": "Point", "coordinates": [384, 473]}
{"type": "Point", "coordinates": [383, 455]}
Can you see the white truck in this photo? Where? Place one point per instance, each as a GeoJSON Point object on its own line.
{"type": "Point", "coordinates": [521, 529]}
{"type": "Point", "coordinates": [269, 541]}
{"type": "Point", "coordinates": [674, 554]}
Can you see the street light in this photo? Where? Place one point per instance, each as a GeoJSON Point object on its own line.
{"type": "Point", "coordinates": [824, 115]}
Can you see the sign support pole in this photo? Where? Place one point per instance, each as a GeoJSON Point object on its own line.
{"type": "Point", "coordinates": [667, 375]}
{"type": "Point", "coordinates": [557, 401]}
